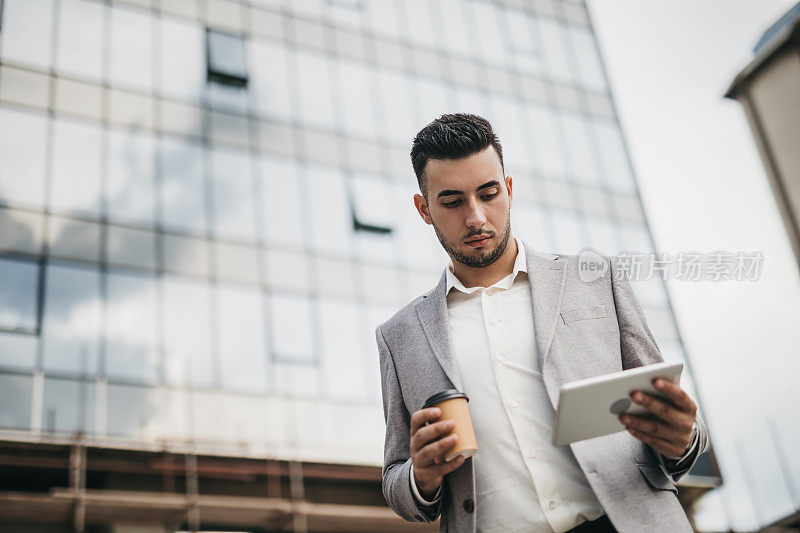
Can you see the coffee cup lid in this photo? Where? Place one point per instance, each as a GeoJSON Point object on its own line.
{"type": "Point", "coordinates": [448, 394]}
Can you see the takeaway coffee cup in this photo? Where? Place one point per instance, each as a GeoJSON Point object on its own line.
{"type": "Point", "coordinates": [453, 405]}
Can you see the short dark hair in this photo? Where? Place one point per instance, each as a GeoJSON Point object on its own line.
{"type": "Point", "coordinates": [452, 136]}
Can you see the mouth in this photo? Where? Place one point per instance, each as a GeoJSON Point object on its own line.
{"type": "Point", "coordinates": [477, 242]}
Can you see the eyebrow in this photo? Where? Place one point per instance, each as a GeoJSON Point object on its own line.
{"type": "Point", "coordinates": [451, 192]}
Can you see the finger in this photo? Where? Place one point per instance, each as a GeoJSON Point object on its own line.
{"type": "Point", "coordinates": [427, 454]}
{"type": "Point", "coordinates": [663, 410]}
{"type": "Point", "coordinates": [430, 433]}
{"type": "Point", "coordinates": [663, 447]}
{"type": "Point", "coordinates": [657, 429]}
{"type": "Point", "coordinates": [676, 394]}
{"type": "Point", "coordinates": [447, 467]}
{"type": "Point", "coordinates": [419, 418]}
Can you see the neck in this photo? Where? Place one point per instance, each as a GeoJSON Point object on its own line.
{"type": "Point", "coordinates": [488, 275]}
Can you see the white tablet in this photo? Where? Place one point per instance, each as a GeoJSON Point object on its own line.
{"type": "Point", "coordinates": [589, 408]}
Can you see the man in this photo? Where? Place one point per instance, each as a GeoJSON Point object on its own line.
{"type": "Point", "coordinates": [508, 326]}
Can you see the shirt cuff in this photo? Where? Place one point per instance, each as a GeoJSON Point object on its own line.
{"type": "Point", "coordinates": [417, 496]}
{"type": "Point", "coordinates": [677, 463]}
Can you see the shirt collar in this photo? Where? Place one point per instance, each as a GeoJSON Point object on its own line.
{"type": "Point", "coordinates": [520, 265]}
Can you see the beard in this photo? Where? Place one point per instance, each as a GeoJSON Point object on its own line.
{"type": "Point", "coordinates": [483, 258]}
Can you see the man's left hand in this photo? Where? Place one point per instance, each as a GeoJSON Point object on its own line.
{"type": "Point", "coordinates": [669, 429]}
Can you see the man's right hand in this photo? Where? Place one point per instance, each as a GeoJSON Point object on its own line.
{"type": "Point", "coordinates": [428, 449]}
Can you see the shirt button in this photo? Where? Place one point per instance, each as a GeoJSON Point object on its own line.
{"type": "Point", "coordinates": [532, 455]}
{"type": "Point", "coordinates": [552, 505]}
{"type": "Point", "coordinates": [515, 403]}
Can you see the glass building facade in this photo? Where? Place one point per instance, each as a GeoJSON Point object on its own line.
{"type": "Point", "coordinates": [206, 206]}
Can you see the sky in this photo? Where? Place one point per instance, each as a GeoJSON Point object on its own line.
{"type": "Point", "coordinates": [704, 188]}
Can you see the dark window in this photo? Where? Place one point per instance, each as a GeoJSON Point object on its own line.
{"type": "Point", "coordinates": [225, 58]}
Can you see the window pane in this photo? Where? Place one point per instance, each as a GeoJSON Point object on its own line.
{"type": "Point", "coordinates": [187, 331]}
{"type": "Point", "coordinates": [183, 68]}
{"type": "Point", "coordinates": [570, 237]}
{"type": "Point", "coordinates": [131, 410]}
{"type": "Point", "coordinates": [297, 380]}
{"type": "Point", "coordinates": [553, 39]}
{"type": "Point", "coordinates": [382, 18]}
{"type": "Point", "coordinates": [418, 243]}
{"type": "Point", "coordinates": [505, 119]}
{"type": "Point", "coordinates": [281, 203]}
{"type": "Point", "coordinates": [589, 65]}
{"type": "Point", "coordinates": [315, 91]}
{"type": "Point", "coordinates": [130, 183]}
{"type": "Point", "coordinates": [241, 339]}
{"type": "Point", "coordinates": [372, 202]}
{"type": "Point", "coordinates": [434, 99]}
{"type": "Point", "coordinates": [470, 100]}
{"type": "Point", "coordinates": [21, 231]}
{"type": "Point", "coordinates": [420, 17]}
{"type": "Point", "coordinates": [548, 154]}
{"type": "Point", "coordinates": [27, 31]}
{"type": "Point", "coordinates": [130, 345]}
{"type": "Point", "coordinates": [232, 179]}
{"type": "Point", "coordinates": [613, 156]}
{"type": "Point", "coordinates": [292, 328]}
{"type": "Point", "coordinates": [23, 139]}
{"type": "Point", "coordinates": [15, 401]}
{"type": "Point", "coordinates": [80, 39]}
{"type": "Point", "coordinates": [342, 357]}
{"type": "Point", "coordinates": [270, 90]}
{"type": "Point", "coordinates": [130, 247]}
{"type": "Point", "coordinates": [582, 153]}
{"type": "Point", "coordinates": [456, 40]}
{"type": "Point", "coordinates": [73, 239]}
{"type": "Point", "coordinates": [530, 226]}
{"type": "Point", "coordinates": [131, 49]}
{"type": "Point", "coordinates": [374, 316]}
{"type": "Point", "coordinates": [226, 61]}
{"type": "Point", "coordinates": [520, 31]}
{"type": "Point", "coordinates": [18, 287]}
{"type": "Point", "coordinates": [68, 406]}
{"type": "Point", "coordinates": [604, 236]}
{"type": "Point", "coordinates": [331, 221]}
{"type": "Point", "coordinates": [18, 282]}
{"type": "Point", "coordinates": [76, 168]}
{"type": "Point", "coordinates": [357, 108]}
{"type": "Point", "coordinates": [492, 35]}
{"type": "Point", "coordinates": [524, 40]}
{"type": "Point", "coordinates": [398, 111]}
{"type": "Point", "coordinates": [183, 198]}
{"type": "Point", "coordinates": [71, 322]}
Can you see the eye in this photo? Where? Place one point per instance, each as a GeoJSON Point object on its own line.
{"type": "Point", "coordinates": [454, 203]}
{"type": "Point", "coordinates": [489, 196]}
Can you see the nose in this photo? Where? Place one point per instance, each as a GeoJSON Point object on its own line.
{"type": "Point", "coordinates": [475, 215]}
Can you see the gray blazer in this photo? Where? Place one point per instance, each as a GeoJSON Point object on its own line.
{"type": "Point", "coordinates": [582, 330]}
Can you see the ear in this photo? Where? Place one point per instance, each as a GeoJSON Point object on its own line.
{"type": "Point", "coordinates": [510, 187]}
{"type": "Point", "coordinates": [422, 208]}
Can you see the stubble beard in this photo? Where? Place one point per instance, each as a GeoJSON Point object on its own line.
{"type": "Point", "coordinates": [476, 261]}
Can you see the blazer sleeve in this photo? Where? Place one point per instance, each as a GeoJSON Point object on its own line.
{"type": "Point", "coordinates": [397, 451]}
{"type": "Point", "coordinates": [639, 348]}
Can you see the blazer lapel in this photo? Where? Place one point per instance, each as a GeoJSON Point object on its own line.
{"type": "Point", "coordinates": [546, 279]}
{"type": "Point", "coordinates": [432, 313]}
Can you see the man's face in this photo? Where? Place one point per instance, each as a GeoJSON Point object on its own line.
{"type": "Point", "coordinates": [469, 206]}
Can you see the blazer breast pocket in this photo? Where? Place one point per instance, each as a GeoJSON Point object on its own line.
{"type": "Point", "coordinates": [583, 313]}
